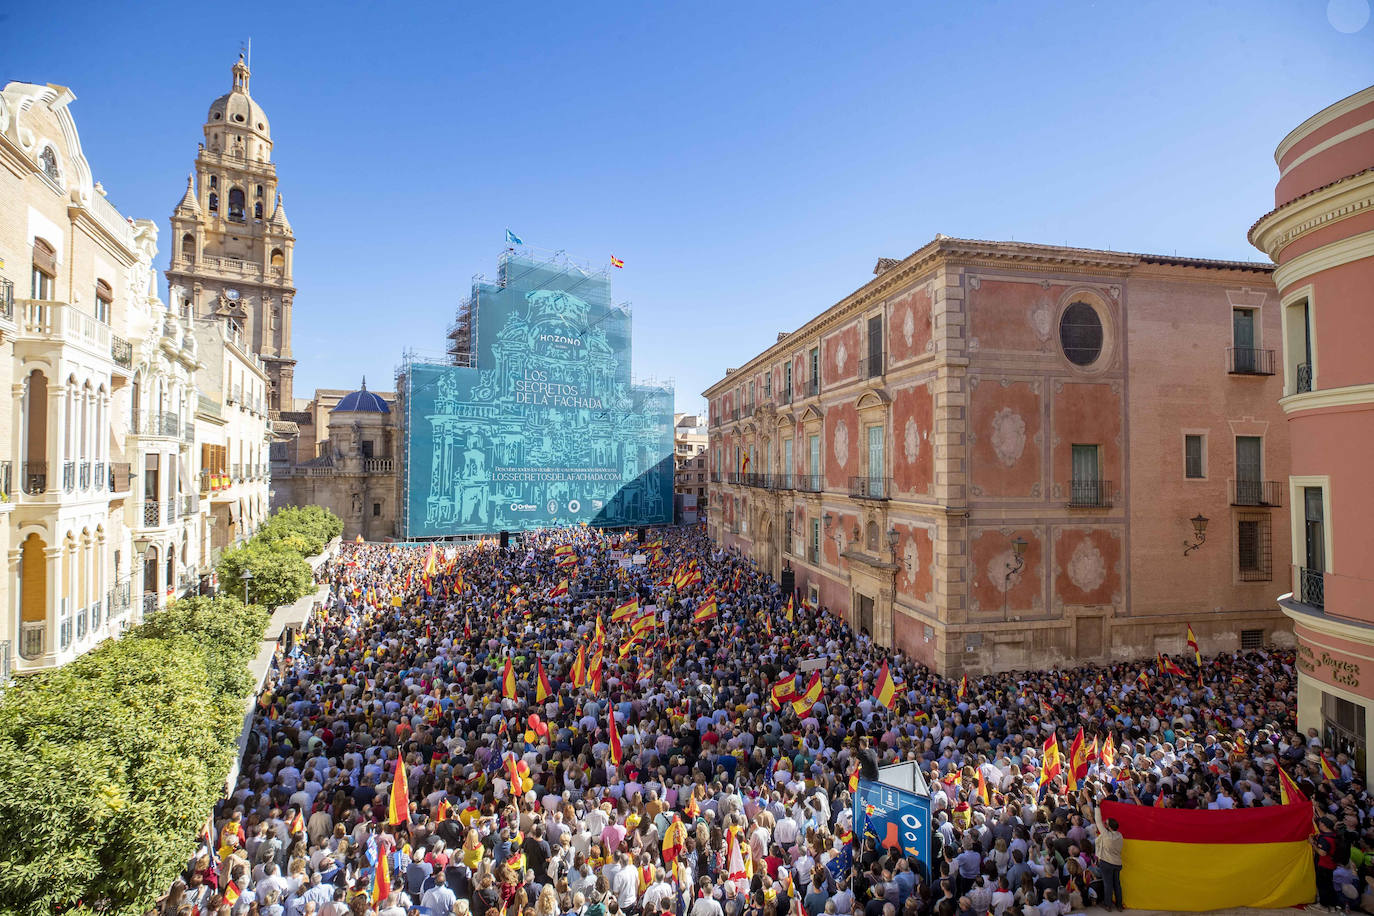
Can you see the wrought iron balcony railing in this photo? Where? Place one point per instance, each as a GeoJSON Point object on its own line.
{"type": "Point", "coordinates": [121, 352]}
{"type": "Point", "coordinates": [1256, 493]}
{"type": "Point", "coordinates": [68, 476]}
{"type": "Point", "coordinates": [83, 474]}
{"type": "Point", "coordinates": [809, 483]}
{"type": "Point", "coordinates": [1312, 587]}
{"type": "Point", "coordinates": [870, 487]}
{"type": "Point", "coordinates": [1249, 361]}
{"type": "Point", "coordinates": [1304, 379]}
{"type": "Point", "coordinates": [1090, 494]}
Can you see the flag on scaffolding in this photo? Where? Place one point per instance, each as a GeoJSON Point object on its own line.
{"type": "Point", "coordinates": [513, 239]}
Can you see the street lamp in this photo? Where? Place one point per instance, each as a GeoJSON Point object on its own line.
{"type": "Point", "coordinates": [1018, 560]}
{"type": "Point", "coordinates": [1199, 531]}
{"type": "Point", "coordinates": [247, 578]}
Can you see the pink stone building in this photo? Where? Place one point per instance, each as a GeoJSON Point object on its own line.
{"type": "Point", "coordinates": [1321, 235]}
{"type": "Point", "coordinates": [994, 455]}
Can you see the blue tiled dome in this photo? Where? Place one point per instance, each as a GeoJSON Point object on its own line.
{"type": "Point", "coordinates": [362, 401]}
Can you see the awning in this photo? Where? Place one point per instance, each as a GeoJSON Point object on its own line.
{"type": "Point", "coordinates": [233, 513]}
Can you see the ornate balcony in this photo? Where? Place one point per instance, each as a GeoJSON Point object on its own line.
{"type": "Point", "coordinates": [1312, 587]}
{"type": "Point", "coordinates": [35, 477]}
{"type": "Point", "coordinates": [1304, 379]}
{"type": "Point", "coordinates": [152, 513]}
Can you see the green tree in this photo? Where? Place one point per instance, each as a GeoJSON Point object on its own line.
{"type": "Point", "coordinates": [280, 576]}
{"type": "Point", "coordinates": [110, 764]}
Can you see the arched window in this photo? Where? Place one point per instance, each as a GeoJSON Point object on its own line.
{"type": "Point", "coordinates": [236, 204]}
{"type": "Point", "coordinates": [259, 193]}
{"type": "Point", "coordinates": [214, 182]}
{"type": "Point", "coordinates": [44, 269]}
{"type": "Point", "coordinates": [871, 536]}
{"type": "Point", "coordinates": [48, 159]}
{"type": "Point", "coordinates": [214, 202]}
{"type": "Point", "coordinates": [257, 211]}
{"type": "Point", "coordinates": [188, 247]}
{"type": "Point", "coordinates": [278, 259]}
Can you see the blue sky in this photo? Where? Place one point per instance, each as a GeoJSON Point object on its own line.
{"type": "Point", "coordinates": [749, 162]}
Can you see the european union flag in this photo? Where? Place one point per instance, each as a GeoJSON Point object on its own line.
{"type": "Point", "coordinates": [770, 775]}
{"type": "Point", "coordinates": [513, 239]}
{"type": "Point", "coordinates": [840, 866]}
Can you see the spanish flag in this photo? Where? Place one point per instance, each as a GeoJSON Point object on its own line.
{"type": "Point", "coordinates": [1192, 644]}
{"type": "Point", "coordinates": [983, 789]}
{"type": "Point", "coordinates": [398, 806]}
{"type": "Point", "coordinates": [791, 609]}
{"type": "Point", "coordinates": [1049, 761]}
{"type": "Point", "coordinates": [542, 690]}
{"type": "Point", "coordinates": [885, 690]}
{"type": "Point", "coordinates": [1186, 859]}
{"type": "Point", "coordinates": [615, 736]}
{"type": "Point", "coordinates": [559, 590]}
{"type": "Point", "coordinates": [854, 779]}
{"type": "Point", "coordinates": [508, 680]}
{"type": "Point", "coordinates": [707, 611]}
{"type": "Point", "coordinates": [431, 561]}
{"type": "Point", "coordinates": [674, 840]}
{"type": "Point", "coordinates": [784, 691]}
{"type": "Point", "coordinates": [381, 880]}
{"type": "Point", "coordinates": [1078, 760]}
{"type": "Point", "coordinates": [579, 668]}
{"type": "Point", "coordinates": [359, 539]}
{"type": "Point", "coordinates": [1108, 752]}
{"type": "Point", "coordinates": [802, 704]}
{"type": "Point", "coordinates": [617, 262]}
{"type": "Point", "coordinates": [1289, 793]}
{"type": "Point", "coordinates": [297, 824]}
{"type": "Point", "coordinates": [963, 688]}
{"type": "Point", "coordinates": [1328, 771]}
{"type": "Point", "coordinates": [625, 610]}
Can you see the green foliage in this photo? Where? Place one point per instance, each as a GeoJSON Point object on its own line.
{"type": "Point", "coordinates": [110, 765]}
{"type": "Point", "coordinates": [280, 576]}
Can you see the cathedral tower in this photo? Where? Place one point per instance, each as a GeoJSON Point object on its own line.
{"type": "Point", "coordinates": [231, 242]}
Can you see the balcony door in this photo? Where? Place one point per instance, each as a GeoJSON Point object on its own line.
{"type": "Point", "coordinates": [1314, 557]}
{"type": "Point", "coordinates": [1249, 458]}
{"type": "Point", "coordinates": [875, 461]}
{"type": "Point", "coordinates": [1243, 338]}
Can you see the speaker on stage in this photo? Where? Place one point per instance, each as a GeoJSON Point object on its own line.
{"type": "Point", "coordinates": [505, 539]}
{"type": "Point", "coordinates": [788, 580]}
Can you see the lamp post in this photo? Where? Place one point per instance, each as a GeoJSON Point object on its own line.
{"type": "Point", "coordinates": [1199, 531]}
{"type": "Point", "coordinates": [1018, 560]}
{"type": "Point", "coordinates": [247, 578]}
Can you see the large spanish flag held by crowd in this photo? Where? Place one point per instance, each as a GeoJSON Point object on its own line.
{"type": "Point", "coordinates": [1184, 859]}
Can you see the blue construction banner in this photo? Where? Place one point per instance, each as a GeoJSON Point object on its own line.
{"type": "Point", "coordinates": [891, 817]}
{"type": "Point", "coordinates": [545, 427]}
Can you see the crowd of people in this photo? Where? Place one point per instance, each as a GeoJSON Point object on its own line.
{"type": "Point", "coordinates": [565, 756]}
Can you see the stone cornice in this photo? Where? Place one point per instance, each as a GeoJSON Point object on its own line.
{"type": "Point", "coordinates": [1284, 225]}
{"type": "Point", "coordinates": [946, 251]}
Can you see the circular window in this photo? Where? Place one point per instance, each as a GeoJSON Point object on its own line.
{"type": "Point", "coordinates": [1080, 334]}
{"type": "Point", "coordinates": [238, 117]}
{"type": "Point", "coordinates": [217, 116]}
{"type": "Point", "coordinates": [260, 126]}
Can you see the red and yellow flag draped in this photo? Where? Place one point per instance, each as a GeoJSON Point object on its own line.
{"type": "Point", "coordinates": [626, 610]}
{"type": "Point", "coordinates": [579, 668]}
{"type": "Point", "coordinates": [381, 880]}
{"type": "Point", "coordinates": [674, 840]}
{"type": "Point", "coordinates": [1184, 859]}
{"type": "Point", "coordinates": [542, 690]}
{"type": "Point", "coordinates": [615, 737]}
{"type": "Point", "coordinates": [508, 680]}
{"type": "Point", "coordinates": [398, 806]}
{"type": "Point", "coordinates": [885, 689]}
{"type": "Point", "coordinates": [802, 704]}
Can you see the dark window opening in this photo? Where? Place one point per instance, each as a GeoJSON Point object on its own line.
{"type": "Point", "coordinates": [376, 510]}
{"type": "Point", "coordinates": [1192, 457]}
{"type": "Point", "coordinates": [236, 204]}
{"type": "Point", "coordinates": [1080, 334]}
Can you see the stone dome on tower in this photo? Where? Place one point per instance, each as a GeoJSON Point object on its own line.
{"type": "Point", "coordinates": [236, 110]}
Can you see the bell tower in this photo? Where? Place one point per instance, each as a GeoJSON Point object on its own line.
{"type": "Point", "coordinates": [231, 248]}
